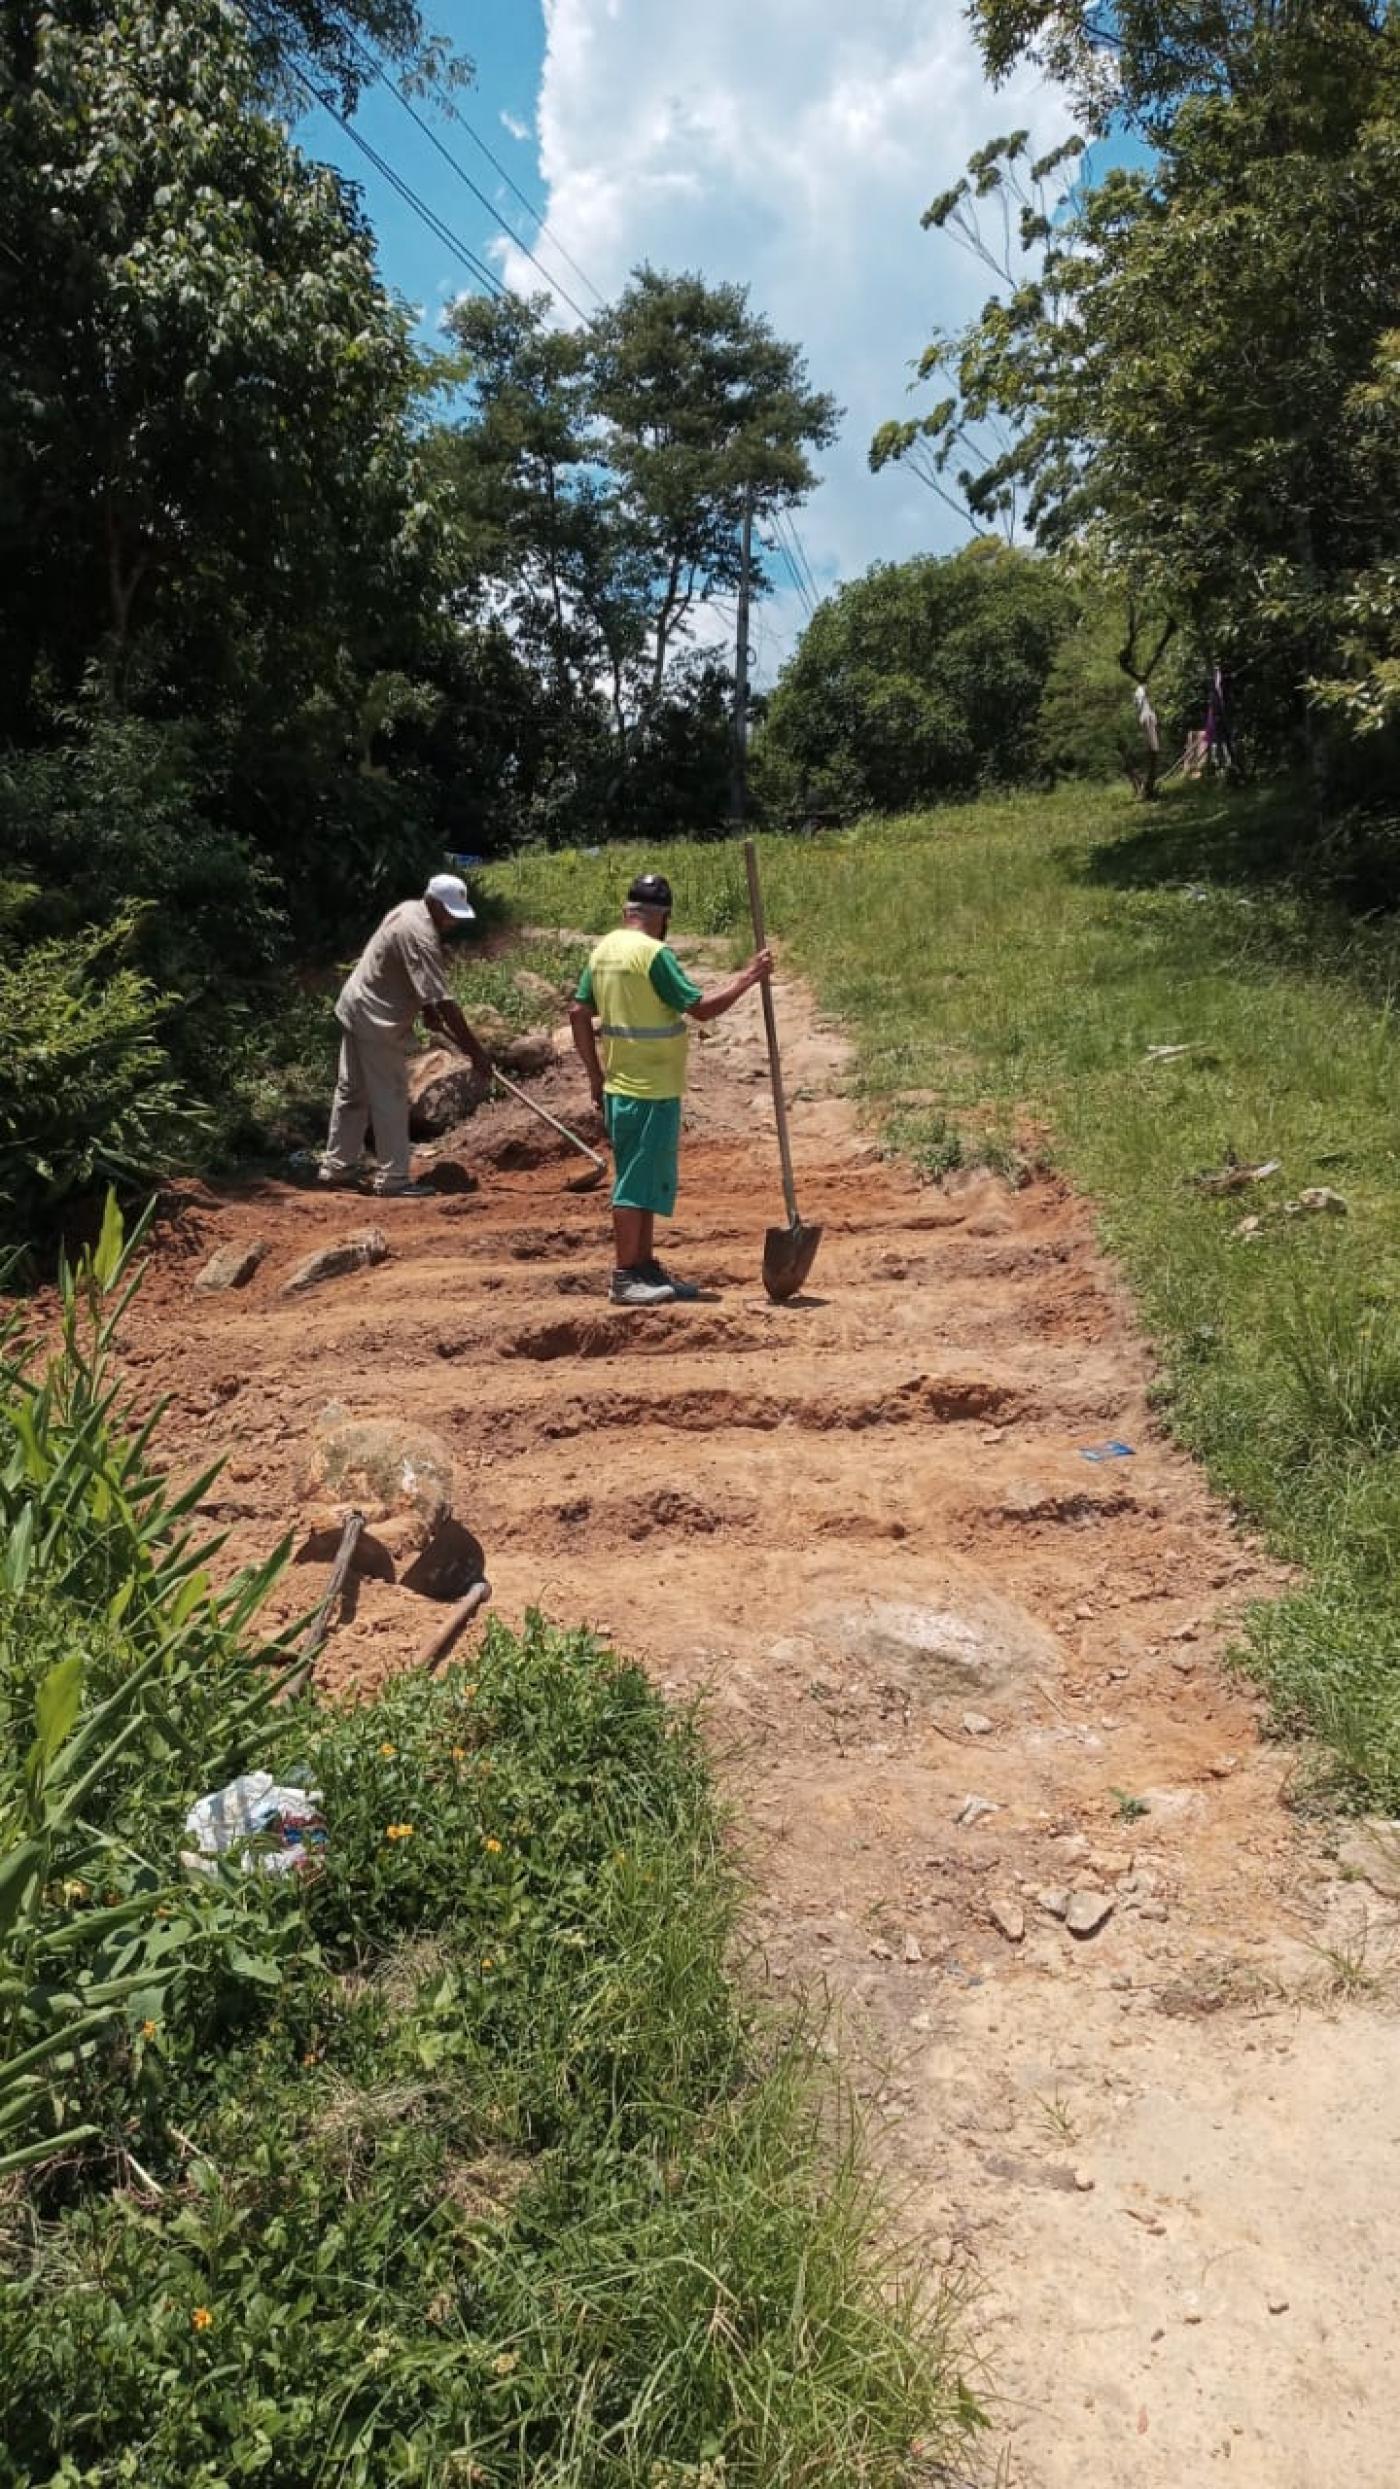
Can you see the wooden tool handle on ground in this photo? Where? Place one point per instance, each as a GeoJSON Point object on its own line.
{"type": "Point", "coordinates": [770, 1024]}
{"type": "Point", "coordinates": [319, 1626]}
{"type": "Point", "coordinates": [546, 1117]}
{"type": "Point", "coordinates": [438, 1644]}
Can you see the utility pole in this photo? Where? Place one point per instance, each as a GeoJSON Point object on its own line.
{"type": "Point", "coordinates": [739, 772]}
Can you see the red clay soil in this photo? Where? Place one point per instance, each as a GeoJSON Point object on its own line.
{"type": "Point", "coordinates": [1162, 2156]}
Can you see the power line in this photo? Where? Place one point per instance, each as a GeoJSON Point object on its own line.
{"type": "Point", "coordinates": [531, 206]}
{"type": "Point", "coordinates": [442, 232]}
{"type": "Point", "coordinates": [378, 71]}
{"type": "Point", "coordinates": [781, 546]}
{"type": "Point", "coordinates": [801, 550]}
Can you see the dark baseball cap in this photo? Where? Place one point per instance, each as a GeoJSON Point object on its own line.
{"type": "Point", "coordinates": [650, 890]}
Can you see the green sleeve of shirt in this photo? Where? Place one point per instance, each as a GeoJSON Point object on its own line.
{"type": "Point", "coordinates": [584, 993]}
{"type": "Point", "coordinates": [670, 983]}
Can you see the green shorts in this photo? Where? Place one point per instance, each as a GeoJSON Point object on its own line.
{"type": "Point", "coordinates": [646, 1144]}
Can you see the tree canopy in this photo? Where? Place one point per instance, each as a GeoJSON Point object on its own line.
{"type": "Point", "coordinates": [920, 680]}
{"type": "Point", "coordinates": [1197, 371]}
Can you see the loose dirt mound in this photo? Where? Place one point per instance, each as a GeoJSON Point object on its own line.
{"type": "Point", "coordinates": [960, 1675]}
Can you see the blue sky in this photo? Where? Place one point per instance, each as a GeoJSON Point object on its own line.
{"type": "Point", "coordinates": [506, 43]}
{"type": "Point", "coordinates": [789, 144]}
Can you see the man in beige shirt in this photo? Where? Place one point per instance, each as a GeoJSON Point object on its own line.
{"type": "Point", "coordinates": [401, 974]}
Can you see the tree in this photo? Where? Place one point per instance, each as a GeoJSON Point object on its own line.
{"type": "Point", "coordinates": [203, 389]}
{"type": "Point", "coordinates": [921, 680]}
{"type": "Point", "coordinates": [599, 483]}
{"type": "Point", "coordinates": [1198, 368]}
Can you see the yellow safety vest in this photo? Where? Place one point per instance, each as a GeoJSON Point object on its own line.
{"type": "Point", "coordinates": [642, 1043]}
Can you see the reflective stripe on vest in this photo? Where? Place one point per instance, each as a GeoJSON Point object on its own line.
{"type": "Point", "coordinates": [672, 1028]}
{"type": "Point", "coordinates": [643, 1044]}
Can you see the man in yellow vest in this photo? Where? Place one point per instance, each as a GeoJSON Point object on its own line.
{"type": "Point", "coordinates": [633, 1001]}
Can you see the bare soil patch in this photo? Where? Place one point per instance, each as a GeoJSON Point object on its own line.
{"type": "Point", "coordinates": [1164, 2153]}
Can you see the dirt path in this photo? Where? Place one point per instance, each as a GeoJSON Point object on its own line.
{"type": "Point", "coordinates": [1165, 2153]}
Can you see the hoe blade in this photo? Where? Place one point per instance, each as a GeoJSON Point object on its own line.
{"type": "Point", "coordinates": [788, 1255]}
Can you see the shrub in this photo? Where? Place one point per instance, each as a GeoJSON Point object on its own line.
{"type": "Point", "coordinates": [87, 1097]}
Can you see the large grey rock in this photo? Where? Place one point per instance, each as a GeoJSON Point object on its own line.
{"type": "Point", "coordinates": [443, 1090]}
{"type": "Point", "coordinates": [231, 1267]}
{"type": "Point", "coordinates": [381, 1467]}
{"type": "Point", "coordinates": [335, 1261]}
{"type": "Point", "coordinates": [975, 1644]}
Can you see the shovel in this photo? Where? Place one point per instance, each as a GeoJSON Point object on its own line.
{"type": "Point", "coordinates": [579, 1183]}
{"type": "Point", "coordinates": [788, 1252]}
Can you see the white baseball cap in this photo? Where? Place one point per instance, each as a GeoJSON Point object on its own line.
{"type": "Point", "coordinates": [451, 893]}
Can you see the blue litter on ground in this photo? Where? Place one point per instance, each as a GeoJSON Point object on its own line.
{"type": "Point", "coordinates": [1106, 1452]}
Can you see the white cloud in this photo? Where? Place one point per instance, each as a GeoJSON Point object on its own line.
{"type": "Point", "coordinates": [793, 145]}
{"type": "Point", "coordinates": [511, 121]}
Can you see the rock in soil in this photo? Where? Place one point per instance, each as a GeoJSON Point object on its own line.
{"type": "Point", "coordinates": [231, 1267]}
{"type": "Point", "coordinates": [443, 1090]}
{"type": "Point", "coordinates": [1088, 1912]}
{"type": "Point", "coordinates": [1055, 1900]}
{"type": "Point", "coordinates": [525, 1058]}
{"type": "Point", "coordinates": [335, 1261]}
{"type": "Point", "coordinates": [1370, 1852]}
{"type": "Point", "coordinates": [382, 1467]}
{"type": "Point", "coordinates": [448, 1175]}
{"type": "Point", "coordinates": [972, 1810]}
{"type": "Point", "coordinates": [538, 991]}
{"type": "Point", "coordinates": [1010, 1919]}
{"type": "Point", "coordinates": [977, 1724]}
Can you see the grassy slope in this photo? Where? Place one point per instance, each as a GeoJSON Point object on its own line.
{"type": "Point", "coordinates": [1017, 959]}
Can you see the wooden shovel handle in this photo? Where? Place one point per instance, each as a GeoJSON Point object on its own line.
{"type": "Point", "coordinates": [770, 1024]}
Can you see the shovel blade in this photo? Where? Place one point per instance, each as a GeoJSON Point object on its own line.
{"type": "Point", "coordinates": [788, 1255]}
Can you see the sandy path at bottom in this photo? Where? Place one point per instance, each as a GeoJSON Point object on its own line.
{"type": "Point", "coordinates": [1164, 2156]}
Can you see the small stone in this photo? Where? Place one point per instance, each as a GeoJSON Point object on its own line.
{"type": "Point", "coordinates": [1156, 1910]}
{"type": "Point", "coordinates": [335, 1261]}
{"type": "Point", "coordinates": [1112, 1862]}
{"type": "Point", "coordinates": [1184, 1663]}
{"type": "Point", "coordinates": [1088, 1912]}
{"type": "Point", "coordinates": [1083, 2182]}
{"type": "Point", "coordinates": [1278, 2305]}
{"type": "Point", "coordinates": [973, 1810]}
{"type": "Point", "coordinates": [1224, 1765]}
{"type": "Point", "coordinates": [1322, 1197]}
{"type": "Point", "coordinates": [882, 1951]}
{"type": "Point", "coordinates": [1072, 1846]}
{"type": "Point", "coordinates": [1084, 1614]}
{"type": "Point", "coordinates": [977, 1724]}
{"type": "Point", "coordinates": [913, 1950]}
{"type": "Point", "coordinates": [1009, 1919]}
{"type": "Point", "coordinates": [231, 1267]}
{"type": "Point", "coordinates": [1055, 1900]}
{"type": "Point", "coordinates": [1185, 1633]}
{"type": "Point", "coordinates": [921, 2022]}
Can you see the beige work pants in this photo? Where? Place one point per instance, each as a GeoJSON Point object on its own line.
{"type": "Point", "coordinates": [371, 1089]}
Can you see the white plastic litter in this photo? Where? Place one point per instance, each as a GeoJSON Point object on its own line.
{"type": "Point", "coordinates": [277, 1829]}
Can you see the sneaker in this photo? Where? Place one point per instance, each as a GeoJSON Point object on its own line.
{"type": "Point", "coordinates": [390, 1191]}
{"type": "Point", "coordinates": [338, 1179]}
{"type": "Point", "coordinates": [684, 1291]}
{"type": "Point", "coordinates": [637, 1287]}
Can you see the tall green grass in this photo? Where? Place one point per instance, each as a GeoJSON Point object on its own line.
{"type": "Point", "coordinates": [1018, 959]}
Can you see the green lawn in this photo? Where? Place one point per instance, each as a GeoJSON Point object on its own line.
{"type": "Point", "coordinates": [1018, 958]}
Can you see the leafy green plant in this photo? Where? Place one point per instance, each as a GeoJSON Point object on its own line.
{"type": "Point", "coordinates": [86, 1095]}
